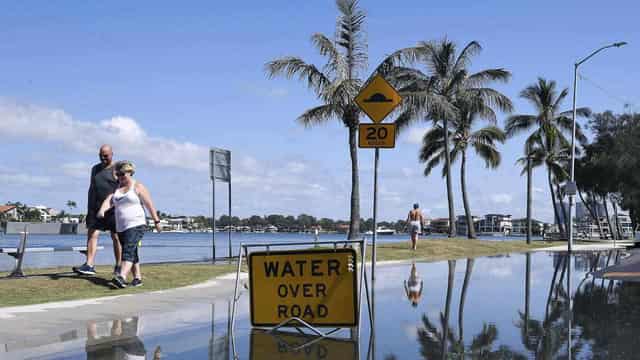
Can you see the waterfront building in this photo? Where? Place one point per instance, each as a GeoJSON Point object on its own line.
{"type": "Point", "coordinates": [495, 224]}
{"type": "Point", "coordinates": [9, 212]}
{"type": "Point", "coordinates": [519, 227]}
{"type": "Point", "coordinates": [440, 225]}
{"type": "Point", "coordinates": [461, 224]}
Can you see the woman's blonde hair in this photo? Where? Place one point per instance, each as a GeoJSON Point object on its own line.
{"type": "Point", "coordinates": [125, 166]}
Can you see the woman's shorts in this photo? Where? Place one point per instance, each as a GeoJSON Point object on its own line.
{"type": "Point", "coordinates": [129, 240]}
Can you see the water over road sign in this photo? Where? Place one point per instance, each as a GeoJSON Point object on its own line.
{"type": "Point", "coordinates": [378, 98]}
{"type": "Point", "coordinates": [317, 286]}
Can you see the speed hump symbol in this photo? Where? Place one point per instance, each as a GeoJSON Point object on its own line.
{"type": "Point", "coordinates": [377, 136]}
{"type": "Point", "coordinates": [378, 98]}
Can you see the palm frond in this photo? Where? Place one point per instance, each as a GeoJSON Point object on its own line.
{"type": "Point", "coordinates": [294, 66]}
{"type": "Point", "coordinates": [519, 123]}
{"type": "Point", "coordinates": [326, 47]}
{"type": "Point", "coordinates": [319, 115]}
{"type": "Point", "coordinates": [464, 59]}
{"type": "Point", "coordinates": [483, 77]}
{"type": "Point", "coordinates": [350, 36]}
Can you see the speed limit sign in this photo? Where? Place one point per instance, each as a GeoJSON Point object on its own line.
{"type": "Point", "coordinates": [377, 136]}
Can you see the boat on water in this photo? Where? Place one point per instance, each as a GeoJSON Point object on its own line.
{"type": "Point", "coordinates": [381, 230]}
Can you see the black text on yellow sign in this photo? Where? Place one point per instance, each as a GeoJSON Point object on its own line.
{"type": "Point", "coordinates": [377, 136]}
{"type": "Point", "coordinates": [378, 98]}
{"type": "Point", "coordinates": [317, 286]}
{"type": "Point", "coordinates": [266, 345]}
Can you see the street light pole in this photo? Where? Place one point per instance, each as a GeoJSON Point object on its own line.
{"type": "Point", "coordinates": [571, 188]}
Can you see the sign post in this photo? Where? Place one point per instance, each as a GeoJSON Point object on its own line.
{"type": "Point", "coordinates": [219, 169]}
{"type": "Point", "coordinates": [377, 99]}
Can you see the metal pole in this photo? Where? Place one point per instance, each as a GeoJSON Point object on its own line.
{"type": "Point", "coordinates": [229, 211]}
{"type": "Point", "coordinates": [213, 220]}
{"type": "Point", "coordinates": [375, 214]}
{"type": "Point", "coordinates": [573, 155]}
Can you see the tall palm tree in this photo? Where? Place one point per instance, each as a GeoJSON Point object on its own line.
{"type": "Point", "coordinates": [434, 95]}
{"type": "Point", "coordinates": [483, 141]}
{"type": "Point", "coordinates": [336, 84]}
{"type": "Point", "coordinates": [550, 126]}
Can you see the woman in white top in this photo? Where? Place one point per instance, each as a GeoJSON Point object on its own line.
{"type": "Point", "coordinates": [131, 222]}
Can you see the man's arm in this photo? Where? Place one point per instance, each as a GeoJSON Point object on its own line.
{"type": "Point", "coordinates": [91, 194]}
{"type": "Point", "coordinates": [106, 205]}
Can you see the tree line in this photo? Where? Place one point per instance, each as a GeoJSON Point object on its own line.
{"type": "Point", "coordinates": [302, 222]}
{"type": "Point", "coordinates": [438, 86]}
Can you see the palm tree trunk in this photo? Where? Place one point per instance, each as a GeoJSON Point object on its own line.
{"type": "Point", "coordinates": [471, 231]}
{"type": "Point", "coordinates": [447, 307]}
{"type": "Point", "coordinates": [553, 200]}
{"type": "Point", "coordinates": [447, 164]}
{"type": "Point", "coordinates": [565, 218]}
{"type": "Point", "coordinates": [529, 205]}
{"type": "Point", "coordinates": [527, 294]}
{"type": "Point", "coordinates": [606, 212]}
{"type": "Point", "coordinates": [354, 224]}
{"type": "Point", "coordinates": [463, 297]}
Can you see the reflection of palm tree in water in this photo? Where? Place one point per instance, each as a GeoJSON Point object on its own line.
{"type": "Point", "coordinates": [413, 286]}
{"type": "Point", "coordinates": [546, 338]}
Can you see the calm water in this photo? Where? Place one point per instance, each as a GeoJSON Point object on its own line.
{"type": "Point", "coordinates": [487, 308]}
{"type": "Point", "coordinates": [163, 246]}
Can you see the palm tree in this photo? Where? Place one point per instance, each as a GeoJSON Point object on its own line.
{"type": "Point", "coordinates": [482, 140]}
{"type": "Point", "coordinates": [336, 84]}
{"type": "Point", "coordinates": [71, 204]}
{"type": "Point", "coordinates": [436, 94]}
{"type": "Point", "coordinates": [550, 126]}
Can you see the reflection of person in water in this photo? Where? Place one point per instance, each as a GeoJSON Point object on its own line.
{"type": "Point", "coordinates": [413, 286]}
{"type": "Point", "coordinates": [121, 343]}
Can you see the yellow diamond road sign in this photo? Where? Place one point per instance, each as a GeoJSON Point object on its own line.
{"type": "Point", "coordinates": [378, 99]}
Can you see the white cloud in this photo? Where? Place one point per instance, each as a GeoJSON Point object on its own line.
{"type": "Point", "coordinates": [78, 170]}
{"type": "Point", "coordinates": [126, 136]}
{"type": "Point", "coordinates": [296, 167]}
{"type": "Point", "coordinates": [21, 179]}
{"type": "Point", "coordinates": [415, 135]}
{"type": "Point", "coordinates": [501, 198]}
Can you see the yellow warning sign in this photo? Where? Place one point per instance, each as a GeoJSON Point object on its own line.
{"type": "Point", "coordinates": [378, 99]}
{"type": "Point", "coordinates": [317, 286]}
{"type": "Point", "coordinates": [266, 345]}
{"type": "Point", "coordinates": [377, 136]}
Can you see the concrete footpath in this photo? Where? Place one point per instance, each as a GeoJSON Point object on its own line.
{"type": "Point", "coordinates": [35, 326]}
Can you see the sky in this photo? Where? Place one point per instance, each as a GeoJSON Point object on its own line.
{"type": "Point", "coordinates": [163, 83]}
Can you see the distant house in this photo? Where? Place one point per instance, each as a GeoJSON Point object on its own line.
{"type": "Point", "coordinates": [461, 224]}
{"type": "Point", "coordinates": [495, 223]}
{"type": "Point", "coordinates": [46, 214]}
{"type": "Point", "coordinates": [519, 227]}
{"type": "Point", "coordinates": [440, 225]}
{"type": "Point", "coordinates": [9, 212]}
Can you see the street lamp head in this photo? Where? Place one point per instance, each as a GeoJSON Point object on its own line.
{"type": "Point", "coordinates": [619, 44]}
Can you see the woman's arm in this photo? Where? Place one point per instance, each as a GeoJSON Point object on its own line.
{"type": "Point", "coordinates": [148, 203]}
{"type": "Point", "coordinates": [106, 205]}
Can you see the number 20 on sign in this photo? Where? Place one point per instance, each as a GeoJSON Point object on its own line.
{"type": "Point", "coordinates": [377, 136]}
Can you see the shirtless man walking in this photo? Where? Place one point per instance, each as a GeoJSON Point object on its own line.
{"type": "Point", "coordinates": [414, 219]}
{"type": "Point", "coordinates": [103, 183]}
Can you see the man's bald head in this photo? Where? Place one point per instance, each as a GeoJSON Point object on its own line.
{"type": "Point", "coordinates": [106, 154]}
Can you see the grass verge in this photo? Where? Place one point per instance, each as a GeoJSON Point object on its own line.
{"type": "Point", "coordinates": [59, 284]}
{"type": "Point", "coordinates": [455, 248]}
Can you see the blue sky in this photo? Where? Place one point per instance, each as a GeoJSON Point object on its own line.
{"type": "Point", "coordinates": [163, 83]}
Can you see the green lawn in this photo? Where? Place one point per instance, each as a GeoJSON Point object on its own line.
{"type": "Point", "coordinates": [455, 248]}
{"type": "Point", "coordinates": [59, 284]}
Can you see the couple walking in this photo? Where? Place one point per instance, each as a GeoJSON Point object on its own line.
{"type": "Point", "coordinates": [115, 204]}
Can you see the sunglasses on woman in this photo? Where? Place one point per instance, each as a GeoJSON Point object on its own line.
{"type": "Point", "coordinates": [119, 174]}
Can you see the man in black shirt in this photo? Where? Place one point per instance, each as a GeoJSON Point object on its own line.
{"type": "Point", "coordinates": [103, 183]}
